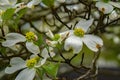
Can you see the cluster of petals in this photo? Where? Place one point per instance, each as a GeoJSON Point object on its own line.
{"type": "Point", "coordinates": [14, 38]}
{"type": "Point", "coordinates": [18, 63]}
{"type": "Point", "coordinates": [75, 42]}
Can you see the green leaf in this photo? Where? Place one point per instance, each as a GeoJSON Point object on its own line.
{"type": "Point", "coordinates": [51, 69]}
{"type": "Point", "coordinates": [8, 14]}
{"type": "Point", "coordinates": [49, 3]}
{"type": "Point", "coordinates": [40, 40]}
{"type": "Point", "coordinates": [19, 15]}
{"type": "Point", "coordinates": [3, 50]}
{"type": "Point", "coordinates": [21, 12]}
{"type": "Point", "coordinates": [17, 18]}
{"type": "Point", "coordinates": [40, 72]}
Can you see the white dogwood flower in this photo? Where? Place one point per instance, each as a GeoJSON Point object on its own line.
{"type": "Point", "coordinates": [29, 66]}
{"type": "Point", "coordinates": [14, 38]}
{"type": "Point", "coordinates": [18, 63]}
{"type": "Point", "coordinates": [107, 7]}
{"type": "Point", "coordinates": [77, 37]}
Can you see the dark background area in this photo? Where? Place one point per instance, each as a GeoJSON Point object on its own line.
{"type": "Point", "coordinates": [103, 74]}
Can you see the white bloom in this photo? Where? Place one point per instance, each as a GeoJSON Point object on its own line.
{"type": "Point", "coordinates": [77, 37]}
{"type": "Point", "coordinates": [115, 4]}
{"type": "Point", "coordinates": [106, 8]}
{"type": "Point", "coordinates": [32, 3]}
{"type": "Point", "coordinates": [113, 15]}
{"type": "Point", "coordinates": [13, 38]}
{"type": "Point", "coordinates": [5, 4]}
{"type": "Point", "coordinates": [96, 15]}
{"type": "Point", "coordinates": [27, 66]}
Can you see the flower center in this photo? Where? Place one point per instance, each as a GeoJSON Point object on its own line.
{"type": "Point", "coordinates": [79, 32]}
{"type": "Point", "coordinates": [98, 46]}
{"type": "Point", "coordinates": [30, 36]}
{"type": "Point", "coordinates": [56, 37]}
{"type": "Point", "coordinates": [103, 9]}
{"type": "Point", "coordinates": [31, 62]}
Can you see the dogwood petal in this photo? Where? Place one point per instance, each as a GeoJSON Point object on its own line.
{"type": "Point", "coordinates": [73, 42]}
{"type": "Point", "coordinates": [108, 8]}
{"type": "Point", "coordinates": [116, 4]}
{"type": "Point", "coordinates": [2, 2]}
{"type": "Point", "coordinates": [12, 39]}
{"type": "Point", "coordinates": [16, 63]}
{"type": "Point", "coordinates": [5, 4]}
{"type": "Point", "coordinates": [50, 34]}
{"type": "Point", "coordinates": [113, 15]}
{"type": "Point", "coordinates": [5, 7]}
{"type": "Point", "coordinates": [64, 35]}
{"type": "Point", "coordinates": [84, 24]}
{"type": "Point", "coordinates": [51, 52]}
{"type": "Point", "coordinates": [32, 3]}
{"type": "Point", "coordinates": [13, 2]}
{"type": "Point", "coordinates": [43, 61]}
{"type": "Point", "coordinates": [8, 43]}
{"type": "Point", "coordinates": [32, 47]}
{"type": "Point", "coordinates": [92, 42]}
{"type": "Point", "coordinates": [45, 53]}
{"type": "Point", "coordinates": [26, 74]}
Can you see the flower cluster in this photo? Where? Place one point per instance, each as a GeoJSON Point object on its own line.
{"type": "Point", "coordinates": [77, 37]}
{"type": "Point", "coordinates": [39, 47]}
